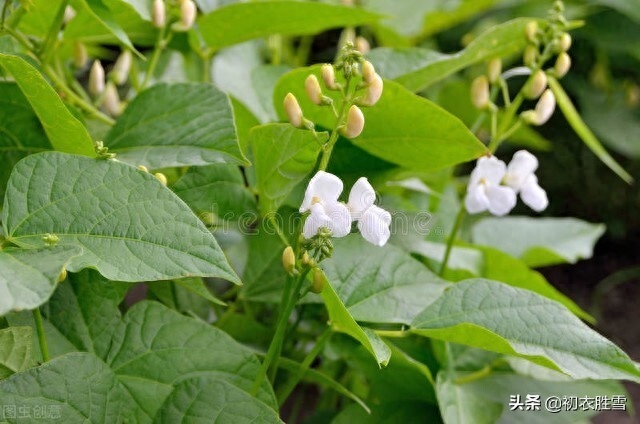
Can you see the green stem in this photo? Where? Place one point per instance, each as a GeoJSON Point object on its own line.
{"type": "Point", "coordinates": [451, 239]}
{"type": "Point", "coordinates": [291, 384]}
{"type": "Point", "coordinates": [52, 34]}
{"type": "Point", "coordinates": [328, 148]}
{"type": "Point", "coordinates": [392, 333]}
{"type": "Point", "coordinates": [276, 226]}
{"type": "Point", "coordinates": [477, 375]}
{"type": "Point", "coordinates": [44, 348]}
{"type": "Point", "coordinates": [303, 50]}
{"type": "Point", "coordinates": [161, 42]}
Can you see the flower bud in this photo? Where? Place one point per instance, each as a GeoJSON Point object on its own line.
{"type": "Point", "coordinates": [564, 43]}
{"type": "Point", "coordinates": [96, 78]}
{"type": "Point", "coordinates": [63, 275]}
{"type": "Point", "coordinates": [355, 122]}
{"type": "Point", "coordinates": [480, 92]}
{"type": "Point", "coordinates": [530, 55]}
{"type": "Point", "coordinates": [80, 56]}
{"type": "Point", "coordinates": [69, 13]}
{"type": "Point", "coordinates": [143, 168]}
{"type": "Point", "coordinates": [293, 111]}
{"type": "Point", "coordinates": [111, 100]}
{"type": "Point", "coordinates": [536, 85]}
{"type": "Point", "coordinates": [122, 67]}
{"type": "Point", "coordinates": [159, 14]}
{"type": "Point", "coordinates": [288, 259]}
{"type": "Point", "coordinates": [362, 45]}
{"type": "Point", "coordinates": [188, 13]}
{"type": "Point", "coordinates": [305, 258]}
{"type": "Point", "coordinates": [161, 177]}
{"type": "Point", "coordinates": [563, 63]}
{"type": "Point", "coordinates": [373, 92]}
{"type": "Point", "coordinates": [368, 72]}
{"type": "Point", "coordinates": [494, 68]}
{"type": "Point", "coordinates": [531, 31]}
{"type": "Point", "coordinates": [329, 76]}
{"type": "Point", "coordinates": [312, 87]}
{"type": "Point", "coordinates": [317, 285]}
{"type": "Point", "coordinates": [543, 111]}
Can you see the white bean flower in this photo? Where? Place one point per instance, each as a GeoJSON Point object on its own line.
{"type": "Point", "coordinates": [321, 198]}
{"type": "Point", "coordinates": [373, 221]}
{"type": "Point", "coordinates": [484, 191]}
{"type": "Point", "coordinates": [521, 178]}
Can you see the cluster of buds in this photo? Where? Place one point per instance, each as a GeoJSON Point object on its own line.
{"type": "Point", "coordinates": [188, 13]}
{"type": "Point", "coordinates": [105, 90]}
{"type": "Point", "coordinates": [293, 266]}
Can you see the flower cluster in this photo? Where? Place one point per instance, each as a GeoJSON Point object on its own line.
{"type": "Point", "coordinates": [493, 185]}
{"type": "Point", "coordinates": [321, 200]}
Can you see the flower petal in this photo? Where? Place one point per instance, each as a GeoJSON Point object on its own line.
{"type": "Point", "coordinates": [520, 168]}
{"type": "Point", "coordinates": [501, 199]}
{"type": "Point", "coordinates": [476, 200]}
{"type": "Point", "coordinates": [327, 187]}
{"type": "Point", "coordinates": [361, 197]}
{"type": "Point", "coordinates": [374, 225]}
{"type": "Point", "coordinates": [533, 195]}
{"type": "Point", "coordinates": [490, 169]}
{"type": "Point", "coordinates": [316, 220]}
{"type": "Point", "coordinates": [340, 218]}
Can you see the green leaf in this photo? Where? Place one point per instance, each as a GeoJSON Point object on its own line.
{"type": "Point", "coordinates": [15, 350]}
{"type": "Point", "coordinates": [197, 286]}
{"type": "Point", "coordinates": [216, 190]}
{"type": "Point", "coordinates": [176, 125]}
{"type": "Point", "coordinates": [418, 68]}
{"type": "Point", "coordinates": [381, 285]}
{"type": "Point", "coordinates": [72, 388]}
{"type": "Point", "coordinates": [283, 157]}
{"type": "Point", "coordinates": [199, 397]}
{"type": "Point", "coordinates": [263, 275]}
{"type": "Point", "coordinates": [64, 131]}
{"type": "Point", "coordinates": [130, 226]}
{"type": "Point", "coordinates": [578, 125]}
{"type": "Point", "coordinates": [460, 406]}
{"type": "Point", "coordinates": [240, 22]}
{"type": "Point", "coordinates": [29, 277]}
{"type": "Point", "coordinates": [341, 321]}
{"type": "Point", "coordinates": [539, 241]}
{"type": "Point", "coordinates": [401, 128]}
{"type": "Point", "coordinates": [513, 321]}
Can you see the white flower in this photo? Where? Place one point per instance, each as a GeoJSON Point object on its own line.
{"type": "Point", "coordinates": [520, 177]}
{"type": "Point", "coordinates": [321, 198]}
{"type": "Point", "coordinates": [373, 221]}
{"type": "Point", "coordinates": [484, 191]}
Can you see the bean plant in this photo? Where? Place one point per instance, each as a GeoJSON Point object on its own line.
{"type": "Point", "coordinates": [242, 212]}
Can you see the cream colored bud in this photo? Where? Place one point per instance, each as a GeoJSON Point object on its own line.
{"type": "Point", "coordinates": [368, 72]}
{"type": "Point", "coordinates": [63, 275]}
{"type": "Point", "coordinates": [69, 13]}
{"type": "Point", "coordinates": [143, 168]}
{"type": "Point", "coordinates": [563, 63]}
{"type": "Point", "coordinates": [96, 78]}
{"type": "Point", "coordinates": [531, 31]}
{"type": "Point", "coordinates": [318, 283]}
{"type": "Point", "coordinates": [188, 13]}
{"type": "Point", "coordinates": [329, 76]}
{"type": "Point", "coordinates": [122, 67]}
{"type": "Point", "coordinates": [536, 85]}
{"type": "Point", "coordinates": [312, 87]}
{"type": "Point", "coordinates": [494, 69]}
{"type": "Point", "coordinates": [543, 111]}
{"type": "Point", "coordinates": [530, 55]}
{"type": "Point", "coordinates": [161, 177]}
{"type": "Point", "coordinates": [293, 111]}
{"type": "Point", "coordinates": [355, 123]}
{"type": "Point", "coordinates": [564, 43]}
{"type": "Point", "coordinates": [373, 92]}
{"type": "Point", "coordinates": [111, 100]}
{"type": "Point", "coordinates": [362, 45]}
{"type": "Point", "coordinates": [480, 92]}
{"type": "Point", "coordinates": [288, 259]}
{"type": "Point", "coordinates": [159, 14]}
{"type": "Point", "coordinates": [80, 56]}
{"type": "Point", "coordinates": [305, 258]}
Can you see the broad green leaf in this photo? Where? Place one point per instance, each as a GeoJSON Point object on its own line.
{"type": "Point", "coordinates": [130, 226]}
{"type": "Point", "coordinates": [198, 287]}
{"type": "Point", "coordinates": [64, 131]}
{"type": "Point", "coordinates": [341, 320]}
{"type": "Point", "coordinates": [176, 125]}
{"type": "Point", "coordinates": [539, 241]}
{"type": "Point", "coordinates": [418, 68]}
{"type": "Point", "coordinates": [461, 258]}
{"type": "Point", "coordinates": [244, 120]}
{"type": "Point", "coordinates": [21, 133]}
{"type": "Point", "coordinates": [39, 17]}
{"type": "Point", "coordinates": [401, 128]}
{"type": "Point", "coordinates": [509, 320]}
{"type": "Point", "coordinates": [142, 7]}
{"type": "Point", "coordinates": [15, 350]}
{"type": "Point", "coordinates": [380, 285]}
{"type": "Point", "coordinates": [578, 125]}
{"type": "Point", "coordinates": [263, 276]}
{"type": "Point", "coordinates": [69, 389]}
{"type": "Point", "coordinates": [199, 397]}
{"type": "Point", "coordinates": [240, 22]}
{"type": "Point", "coordinates": [283, 157]}
{"type": "Point", "coordinates": [460, 406]}
{"type": "Point", "coordinates": [29, 276]}
{"type": "Point", "coordinates": [216, 192]}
